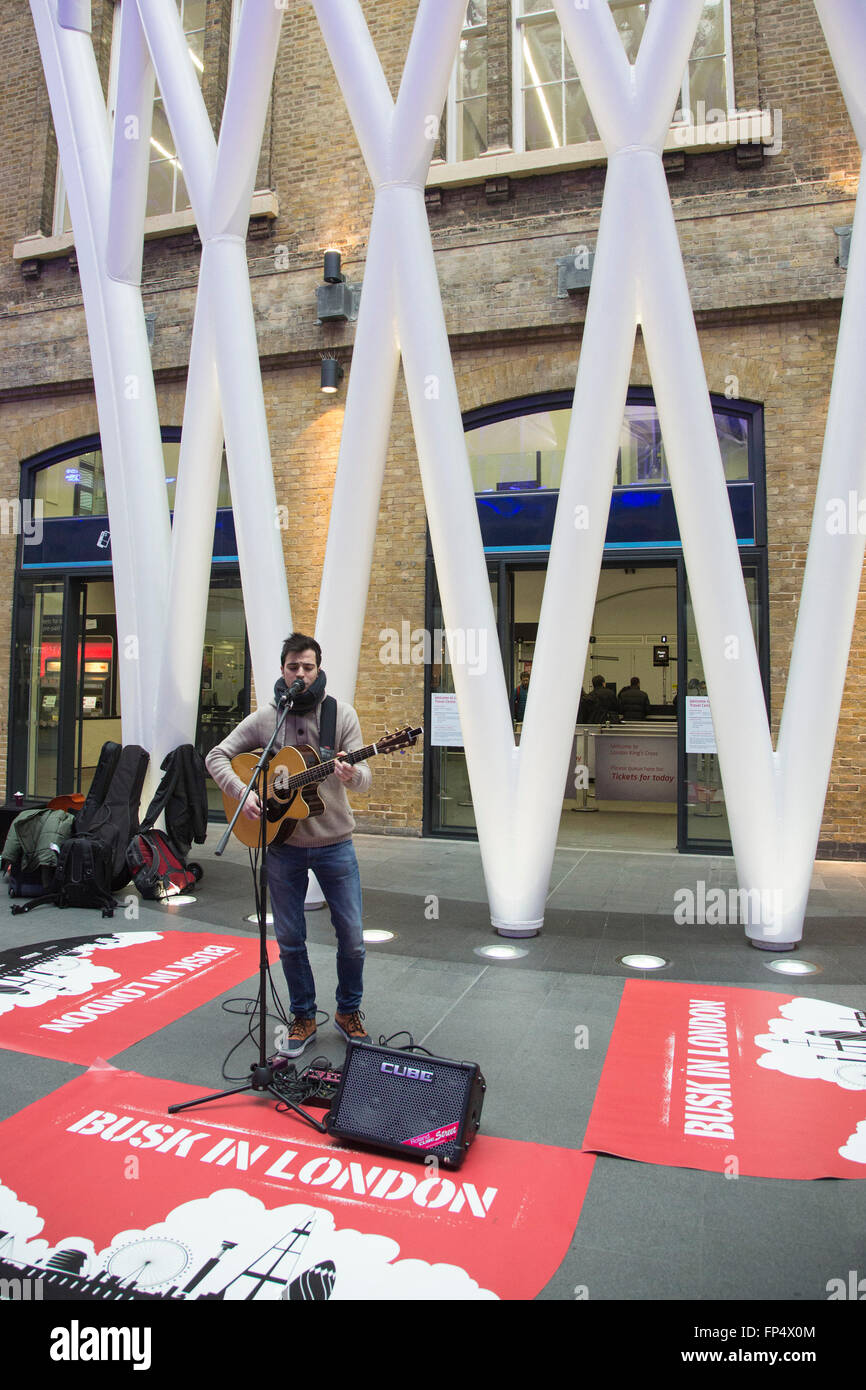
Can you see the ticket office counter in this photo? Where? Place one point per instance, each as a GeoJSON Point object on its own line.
{"type": "Point", "coordinates": [635, 761]}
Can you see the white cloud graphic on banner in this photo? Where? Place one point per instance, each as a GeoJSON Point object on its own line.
{"type": "Point", "coordinates": [63, 976]}
{"type": "Point", "coordinates": [816, 1040]}
{"type": "Point", "coordinates": [855, 1146]}
{"type": "Point", "coordinates": [230, 1244]}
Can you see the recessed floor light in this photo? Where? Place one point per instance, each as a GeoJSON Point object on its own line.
{"type": "Point", "coordinates": [269, 918]}
{"type": "Point", "coordinates": [638, 960]}
{"type": "Point", "coordinates": [376, 934]}
{"type": "Point", "coordinates": [793, 967]}
{"type": "Point", "coordinates": [500, 952]}
{"type": "Point", "coordinates": [180, 900]}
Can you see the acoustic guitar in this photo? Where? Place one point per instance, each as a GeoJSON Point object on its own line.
{"type": "Point", "coordinates": [292, 777]}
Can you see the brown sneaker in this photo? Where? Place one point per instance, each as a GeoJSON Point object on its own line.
{"type": "Point", "coordinates": [302, 1031]}
{"type": "Point", "coordinates": [352, 1027]}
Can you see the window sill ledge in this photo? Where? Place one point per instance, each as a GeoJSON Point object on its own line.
{"type": "Point", "coordinates": [45, 248]}
{"type": "Point", "coordinates": [743, 128]}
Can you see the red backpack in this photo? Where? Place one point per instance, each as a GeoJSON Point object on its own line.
{"type": "Point", "coordinates": [156, 868]}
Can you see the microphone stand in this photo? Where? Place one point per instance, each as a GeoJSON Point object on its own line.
{"type": "Point", "coordinates": [262, 1073]}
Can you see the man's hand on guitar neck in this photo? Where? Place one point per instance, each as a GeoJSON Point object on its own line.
{"type": "Point", "coordinates": [344, 771]}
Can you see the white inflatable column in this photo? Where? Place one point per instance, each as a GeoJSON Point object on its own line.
{"type": "Point", "coordinates": [831, 581]}
{"type": "Point", "coordinates": [224, 385]}
{"type": "Point", "coordinates": [360, 470]}
{"type": "Point", "coordinates": [375, 360]}
{"type": "Point", "coordinates": [123, 380]}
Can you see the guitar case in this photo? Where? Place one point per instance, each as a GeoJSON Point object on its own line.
{"type": "Point", "coordinates": [109, 757]}
{"type": "Point", "coordinates": [115, 820]}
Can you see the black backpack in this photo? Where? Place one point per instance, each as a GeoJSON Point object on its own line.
{"type": "Point", "coordinates": [85, 873]}
{"type": "Point", "coordinates": [83, 877]}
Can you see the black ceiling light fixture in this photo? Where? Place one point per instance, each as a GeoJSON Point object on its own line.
{"type": "Point", "coordinates": [332, 375]}
{"type": "Point", "coordinates": [336, 300]}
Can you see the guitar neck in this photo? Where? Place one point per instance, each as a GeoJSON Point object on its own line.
{"type": "Point", "coordinates": [323, 770]}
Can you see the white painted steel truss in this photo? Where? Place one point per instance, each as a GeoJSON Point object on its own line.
{"type": "Point", "coordinates": [162, 573]}
{"type": "Point", "coordinates": [774, 798]}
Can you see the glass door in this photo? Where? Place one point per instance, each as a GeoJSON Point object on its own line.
{"type": "Point", "coordinates": [95, 701]}
{"type": "Point", "coordinates": [225, 672]}
{"type": "Point", "coordinates": [449, 799]}
{"type": "Point", "coordinates": [64, 689]}
{"type": "Point", "coordinates": [703, 814]}
{"type": "Point", "coordinates": [34, 746]}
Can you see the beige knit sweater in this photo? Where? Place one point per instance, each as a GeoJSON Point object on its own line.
{"type": "Point", "coordinates": [337, 822]}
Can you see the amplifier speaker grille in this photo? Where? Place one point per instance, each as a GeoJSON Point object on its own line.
{"type": "Point", "coordinates": [408, 1102]}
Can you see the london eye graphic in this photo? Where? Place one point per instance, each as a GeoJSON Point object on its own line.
{"type": "Point", "coordinates": [151, 1262]}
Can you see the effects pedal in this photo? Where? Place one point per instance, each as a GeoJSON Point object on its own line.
{"type": "Point", "coordinates": [322, 1083]}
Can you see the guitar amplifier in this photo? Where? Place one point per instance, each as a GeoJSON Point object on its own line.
{"type": "Point", "coordinates": [408, 1103]}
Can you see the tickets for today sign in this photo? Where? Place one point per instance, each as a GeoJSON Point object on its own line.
{"type": "Point", "coordinates": [640, 767]}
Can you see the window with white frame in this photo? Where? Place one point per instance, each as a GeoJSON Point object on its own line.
{"type": "Point", "coordinates": [166, 189]}
{"type": "Point", "coordinates": [466, 130]}
{"type": "Point", "coordinates": [549, 109]}
{"type": "Point", "coordinates": [708, 83]}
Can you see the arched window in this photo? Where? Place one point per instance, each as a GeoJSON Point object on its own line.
{"type": "Point", "coordinates": [520, 446]}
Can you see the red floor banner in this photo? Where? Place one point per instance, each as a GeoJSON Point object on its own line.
{"type": "Point", "coordinates": [85, 997]}
{"type": "Point", "coordinates": [734, 1081]}
{"type": "Point", "coordinates": [238, 1201]}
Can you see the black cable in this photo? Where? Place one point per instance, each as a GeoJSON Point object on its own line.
{"type": "Point", "coordinates": [410, 1046]}
{"type": "Point", "coordinates": [250, 1009]}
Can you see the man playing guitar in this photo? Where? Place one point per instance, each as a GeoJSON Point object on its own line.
{"type": "Point", "coordinates": [321, 843]}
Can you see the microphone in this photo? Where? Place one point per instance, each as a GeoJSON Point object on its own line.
{"type": "Point", "coordinates": [283, 693]}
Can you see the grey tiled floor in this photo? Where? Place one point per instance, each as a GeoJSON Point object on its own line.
{"type": "Point", "coordinates": [646, 1232]}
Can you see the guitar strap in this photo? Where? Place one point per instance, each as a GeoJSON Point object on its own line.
{"type": "Point", "coordinates": [328, 728]}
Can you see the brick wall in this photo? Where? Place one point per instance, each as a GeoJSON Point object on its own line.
{"type": "Point", "coordinates": [759, 249]}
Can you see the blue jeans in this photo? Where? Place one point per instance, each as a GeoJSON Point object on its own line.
{"type": "Point", "coordinates": [336, 869]}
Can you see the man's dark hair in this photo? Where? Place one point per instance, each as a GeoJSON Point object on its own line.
{"type": "Point", "coordinates": [598, 681]}
{"type": "Point", "coordinates": [299, 642]}
{"type": "Point", "coordinates": [635, 680]}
